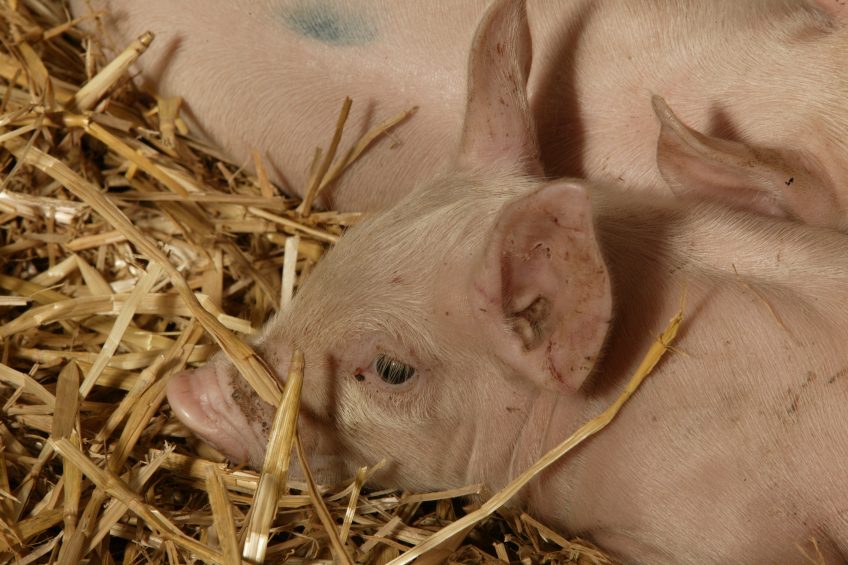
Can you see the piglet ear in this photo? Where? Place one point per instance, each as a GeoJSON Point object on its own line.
{"type": "Point", "coordinates": [499, 128]}
{"type": "Point", "coordinates": [544, 266]}
{"type": "Point", "coordinates": [758, 180]}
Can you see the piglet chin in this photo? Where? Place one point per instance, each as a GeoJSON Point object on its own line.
{"type": "Point", "coordinates": [199, 402]}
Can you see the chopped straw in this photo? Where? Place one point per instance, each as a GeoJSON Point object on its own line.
{"type": "Point", "coordinates": [131, 250]}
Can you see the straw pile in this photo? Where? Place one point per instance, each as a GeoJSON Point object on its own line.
{"type": "Point", "coordinates": [128, 250]}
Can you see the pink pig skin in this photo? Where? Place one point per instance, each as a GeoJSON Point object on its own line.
{"type": "Point", "coordinates": [524, 305]}
{"type": "Point", "coordinates": [767, 74]}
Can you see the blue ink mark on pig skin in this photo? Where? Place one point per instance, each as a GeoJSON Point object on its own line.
{"type": "Point", "coordinates": [326, 22]}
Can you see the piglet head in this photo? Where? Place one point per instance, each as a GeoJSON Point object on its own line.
{"type": "Point", "coordinates": [438, 334]}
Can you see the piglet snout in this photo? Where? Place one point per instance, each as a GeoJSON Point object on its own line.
{"type": "Point", "coordinates": [209, 405]}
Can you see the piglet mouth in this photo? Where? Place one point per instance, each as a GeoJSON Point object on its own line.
{"type": "Point", "coordinates": [202, 404]}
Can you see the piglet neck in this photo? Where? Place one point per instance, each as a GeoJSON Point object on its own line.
{"type": "Point", "coordinates": [554, 418]}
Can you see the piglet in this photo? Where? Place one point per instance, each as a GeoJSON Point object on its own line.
{"type": "Point", "coordinates": [468, 329]}
{"type": "Point", "coordinates": [767, 77]}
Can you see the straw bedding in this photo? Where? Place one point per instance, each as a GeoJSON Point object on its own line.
{"type": "Point", "coordinates": [128, 251]}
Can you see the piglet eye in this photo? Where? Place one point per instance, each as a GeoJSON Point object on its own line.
{"type": "Point", "coordinates": [391, 370]}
